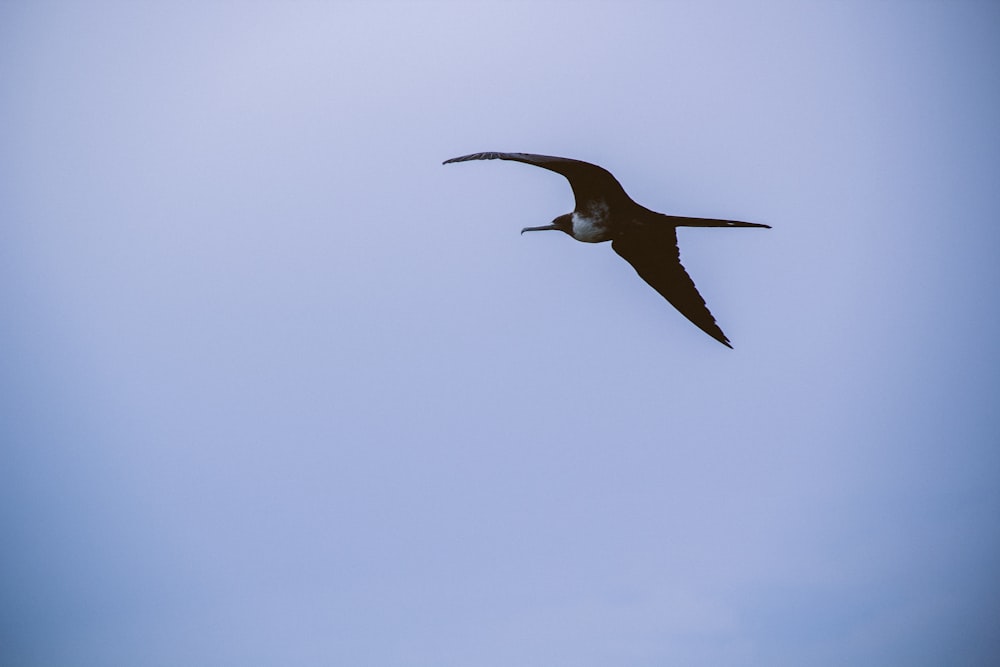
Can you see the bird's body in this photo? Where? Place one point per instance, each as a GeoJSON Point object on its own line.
{"type": "Point", "coordinates": [645, 239]}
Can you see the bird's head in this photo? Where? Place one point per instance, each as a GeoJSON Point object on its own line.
{"type": "Point", "coordinates": [564, 223]}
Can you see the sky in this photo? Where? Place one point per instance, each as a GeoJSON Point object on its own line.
{"type": "Point", "coordinates": [278, 388]}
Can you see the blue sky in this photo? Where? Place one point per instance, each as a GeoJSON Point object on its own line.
{"type": "Point", "coordinates": [280, 389]}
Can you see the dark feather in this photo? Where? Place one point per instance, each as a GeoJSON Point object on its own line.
{"type": "Point", "coordinates": [653, 253]}
{"type": "Point", "coordinates": [590, 183]}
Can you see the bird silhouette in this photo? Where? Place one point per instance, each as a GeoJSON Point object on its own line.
{"type": "Point", "coordinates": [645, 239]}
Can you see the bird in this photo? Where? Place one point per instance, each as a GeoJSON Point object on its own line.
{"type": "Point", "coordinates": [645, 239]}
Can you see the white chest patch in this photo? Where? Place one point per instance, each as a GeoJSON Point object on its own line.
{"type": "Point", "coordinates": [590, 227]}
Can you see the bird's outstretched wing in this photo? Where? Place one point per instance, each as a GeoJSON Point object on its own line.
{"type": "Point", "coordinates": [653, 253]}
{"type": "Point", "coordinates": [589, 182]}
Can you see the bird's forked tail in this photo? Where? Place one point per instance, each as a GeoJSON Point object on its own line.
{"type": "Point", "coordinates": [679, 221]}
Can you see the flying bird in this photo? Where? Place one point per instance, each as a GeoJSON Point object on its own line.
{"type": "Point", "coordinates": [645, 239]}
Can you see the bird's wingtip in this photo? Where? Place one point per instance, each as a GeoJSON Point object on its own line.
{"type": "Point", "coordinates": [718, 335]}
{"type": "Point", "coordinates": [489, 155]}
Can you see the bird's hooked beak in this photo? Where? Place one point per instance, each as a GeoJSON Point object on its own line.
{"type": "Point", "coordinates": [564, 223]}
{"type": "Point", "coordinates": [539, 229]}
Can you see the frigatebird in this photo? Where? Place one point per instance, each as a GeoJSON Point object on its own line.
{"type": "Point", "coordinates": [645, 239]}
